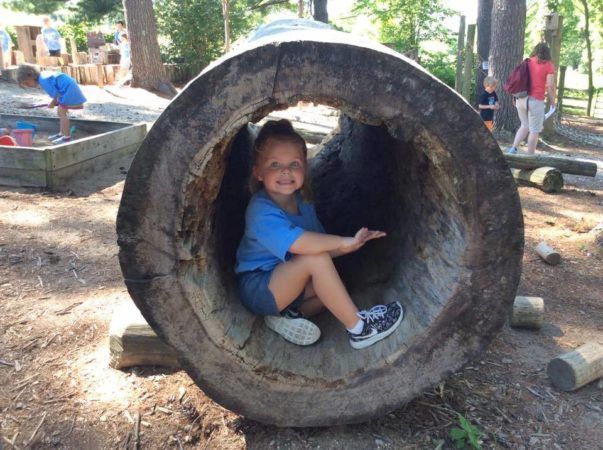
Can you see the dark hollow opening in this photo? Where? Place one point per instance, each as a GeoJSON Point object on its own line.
{"type": "Point", "coordinates": [363, 175]}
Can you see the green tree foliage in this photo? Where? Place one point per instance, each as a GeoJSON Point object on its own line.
{"type": "Point", "coordinates": [405, 24]}
{"type": "Point", "coordinates": [195, 28]}
{"type": "Point", "coordinates": [83, 10]}
{"type": "Point", "coordinates": [35, 6]}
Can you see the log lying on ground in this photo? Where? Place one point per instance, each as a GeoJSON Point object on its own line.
{"type": "Point", "coordinates": [454, 242]}
{"type": "Point", "coordinates": [548, 253]}
{"type": "Point", "coordinates": [132, 342]}
{"type": "Point", "coordinates": [528, 312]}
{"type": "Point", "coordinates": [565, 165]}
{"type": "Point", "coordinates": [577, 368]}
{"type": "Point", "coordinates": [548, 179]}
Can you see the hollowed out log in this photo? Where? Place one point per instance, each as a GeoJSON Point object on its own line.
{"type": "Point", "coordinates": [410, 157]}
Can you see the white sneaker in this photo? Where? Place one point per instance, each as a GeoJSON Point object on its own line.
{"type": "Point", "coordinates": [298, 331]}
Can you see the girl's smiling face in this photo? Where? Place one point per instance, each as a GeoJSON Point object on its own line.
{"type": "Point", "coordinates": [281, 168]}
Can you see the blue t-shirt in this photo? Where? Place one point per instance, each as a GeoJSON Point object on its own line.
{"type": "Point", "coordinates": [270, 231]}
{"type": "Point", "coordinates": [5, 40]}
{"type": "Point", "coordinates": [117, 37]}
{"type": "Point", "coordinates": [52, 38]}
{"type": "Point", "coordinates": [61, 85]}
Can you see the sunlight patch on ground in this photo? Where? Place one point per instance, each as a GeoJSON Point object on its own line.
{"type": "Point", "coordinates": [25, 218]}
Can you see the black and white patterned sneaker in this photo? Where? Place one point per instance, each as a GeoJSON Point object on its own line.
{"type": "Point", "coordinates": [292, 326]}
{"type": "Point", "coordinates": [379, 322]}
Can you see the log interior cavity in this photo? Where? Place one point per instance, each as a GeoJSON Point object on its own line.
{"type": "Point", "coordinates": [362, 176]}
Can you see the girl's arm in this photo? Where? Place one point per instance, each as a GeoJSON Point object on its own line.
{"type": "Point", "coordinates": [311, 243]}
{"type": "Point", "coordinates": [480, 106]}
{"type": "Point", "coordinates": [54, 102]}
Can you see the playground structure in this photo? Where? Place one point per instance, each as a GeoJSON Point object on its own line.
{"type": "Point", "coordinates": [439, 186]}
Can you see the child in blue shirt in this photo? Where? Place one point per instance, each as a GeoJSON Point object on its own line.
{"type": "Point", "coordinates": [64, 90]}
{"type": "Point", "coordinates": [52, 38]}
{"type": "Point", "coordinates": [488, 102]}
{"type": "Point", "coordinates": [5, 43]}
{"type": "Point", "coordinates": [285, 259]}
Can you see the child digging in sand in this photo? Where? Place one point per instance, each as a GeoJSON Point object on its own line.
{"type": "Point", "coordinates": [285, 259]}
{"type": "Point", "coordinates": [64, 90]}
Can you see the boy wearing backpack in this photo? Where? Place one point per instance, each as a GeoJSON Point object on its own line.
{"type": "Point", "coordinates": [488, 102]}
{"type": "Point", "coordinates": [530, 108]}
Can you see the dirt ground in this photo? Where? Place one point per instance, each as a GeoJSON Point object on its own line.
{"type": "Point", "coordinates": [60, 283]}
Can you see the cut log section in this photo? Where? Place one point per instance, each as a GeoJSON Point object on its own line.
{"type": "Point", "coordinates": [565, 165]}
{"type": "Point", "coordinates": [548, 179]}
{"type": "Point", "coordinates": [132, 342]}
{"type": "Point", "coordinates": [548, 253]}
{"type": "Point", "coordinates": [528, 312]}
{"type": "Point", "coordinates": [577, 368]}
{"type": "Point", "coordinates": [395, 163]}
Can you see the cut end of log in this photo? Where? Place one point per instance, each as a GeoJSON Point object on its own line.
{"type": "Point", "coordinates": [577, 368]}
{"type": "Point", "coordinates": [548, 254]}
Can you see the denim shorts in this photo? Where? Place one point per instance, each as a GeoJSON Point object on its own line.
{"type": "Point", "coordinates": [256, 296]}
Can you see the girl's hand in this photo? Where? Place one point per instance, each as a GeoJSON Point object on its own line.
{"type": "Point", "coordinates": [52, 105]}
{"type": "Point", "coordinates": [363, 235]}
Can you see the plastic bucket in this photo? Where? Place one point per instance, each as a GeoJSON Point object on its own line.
{"type": "Point", "coordinates": [22, 125]}
{"type": "Point", "coordinates": [24, 137]}
{"type": "Point", "coordinates": [7, 140]}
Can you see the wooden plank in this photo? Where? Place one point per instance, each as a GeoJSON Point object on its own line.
{"type": "Point", "coordinates": [22, 177]}
{"type": "Point", "coordinates": [71, 153]}
{"type": "Point", "coordinates": [22, 158]}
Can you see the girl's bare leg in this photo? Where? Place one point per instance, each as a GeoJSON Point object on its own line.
{"type": "Point", "coordinates": [311, 305]}
{"type": "Point", "coordinates": [290, 277]}
{"type": "Point", "coordinates": [64, 121]}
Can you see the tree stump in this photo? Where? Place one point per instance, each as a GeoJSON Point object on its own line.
{"type": "Point", "coordinates": [577, 368]}
{"type": "Point", "coordinates": [528, 312]}
{"type": "Point", "coordinates": [401, 161]}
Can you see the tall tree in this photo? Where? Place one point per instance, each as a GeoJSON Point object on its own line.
{"type": "Point", "coordinates": [589, 55]}
{"type": "Point", "coordinates": [148, 71]}
{"type": "Point", "coordinates": [506, 51]}
{"type": "Point", "coordinates": [484, 30]}
{"type": "Point", "coordinates": [320, 11]}
{"type": "Point", "coordinates": [226, 15]}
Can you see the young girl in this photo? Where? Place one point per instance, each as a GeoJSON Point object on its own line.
{"type": "Point", "coordinates": [285, 259]}
{"type": "Point", "coordinates": [64, 90]}
{"type": "Point", "coordinates": [125, 62]}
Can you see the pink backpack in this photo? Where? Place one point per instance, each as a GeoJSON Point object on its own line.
{"type": "Point", "coordinates": [518, 83]}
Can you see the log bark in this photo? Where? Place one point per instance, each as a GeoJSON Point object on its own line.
{"type": "Point", "coordinates": [548, 179]}
{"type": "Point", "coordinates": [577, 368]}
{"type": "Point", "coordinates": [565, 165]}
{"type": "Point", "coordinates": [548, 254]}
{"type": "Point", "coordinates": [394, 163]}
{"type": "Point", "coordinates": [484, 31]}
{"type": "Point", "coordinates": [132, 342]}
{"type": "Point", "coordinates": [528, 312]}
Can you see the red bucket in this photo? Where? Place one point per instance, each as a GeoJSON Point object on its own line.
{"type": "Point", "coordinates": [23, 137]}
{"type": "Point", "coordinates": [7, 140]}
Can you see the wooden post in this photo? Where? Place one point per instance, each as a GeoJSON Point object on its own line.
{"type": "Point", "coordinates": [577, 368]}
{"type": "Point", "coordinates": [468, 70]}
{"type": "Point", "coordinates": [73, 45]}
{"type": "Point", "coordinates": [459, 56]}
{"type": "Point", "coordinates": [528, 312]}
{"type": "Point", "coordinates": [548, 253]}
{"type": "Point", "coordinates": [100, 75]}
{"type": "Point", "coordinates": [552, 36]}
{"type": "Point", "coordinates": [561, 90]}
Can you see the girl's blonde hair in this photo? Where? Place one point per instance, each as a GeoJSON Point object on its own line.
{"type": "Point", "coordinates": [490, 81]}
{"type": "Point", "coordinates": [279, 131]}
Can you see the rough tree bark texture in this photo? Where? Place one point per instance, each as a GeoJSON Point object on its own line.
{"type": "Point", "coordinates": [320, 11]}
{"type": "Point", "coordinates": [439, 186]}
{"type": "Point", "coordinates": [484, 30]}
{"type": "Point", "coordinates": [147, 69]}
{"type": "Point", "coordinates": [506, 51]}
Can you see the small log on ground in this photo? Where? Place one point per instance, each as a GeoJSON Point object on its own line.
{"type": "Point", "coordinates": [547, 179]}
{"type": "Point", "coordinates": [577, 368]}
{"type": "Point", "coordinates": [548, 254]}
{"type": "Point", "coordinates": [565, 165]}
{"type": "Point", "coordinates": [132, 342]}
{"type": "Point", "coordinates": [528, 312]}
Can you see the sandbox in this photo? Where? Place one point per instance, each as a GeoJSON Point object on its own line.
{"type": "Point", "coordinates": [96, 144]}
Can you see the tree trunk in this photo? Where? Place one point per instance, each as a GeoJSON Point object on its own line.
{"type": "Point", "coordinates": [147, 69]}
{"type": "Point", "coordinates": [320, 11]}
{"type": "Point", "coordinates": [460, 48]}
{"type": "Point", "coordinates": [484, 29]}
{"type": "Point", "coordinates": [452, 257]}
{"type": "Point", "coordinates": [506, 51]}
{"type": "Point", "coordinates": [589, 57]}
{"type": "Point", "coordinates": [226, 15]}
{"type": "Point", "coordinates": [300, 8]}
